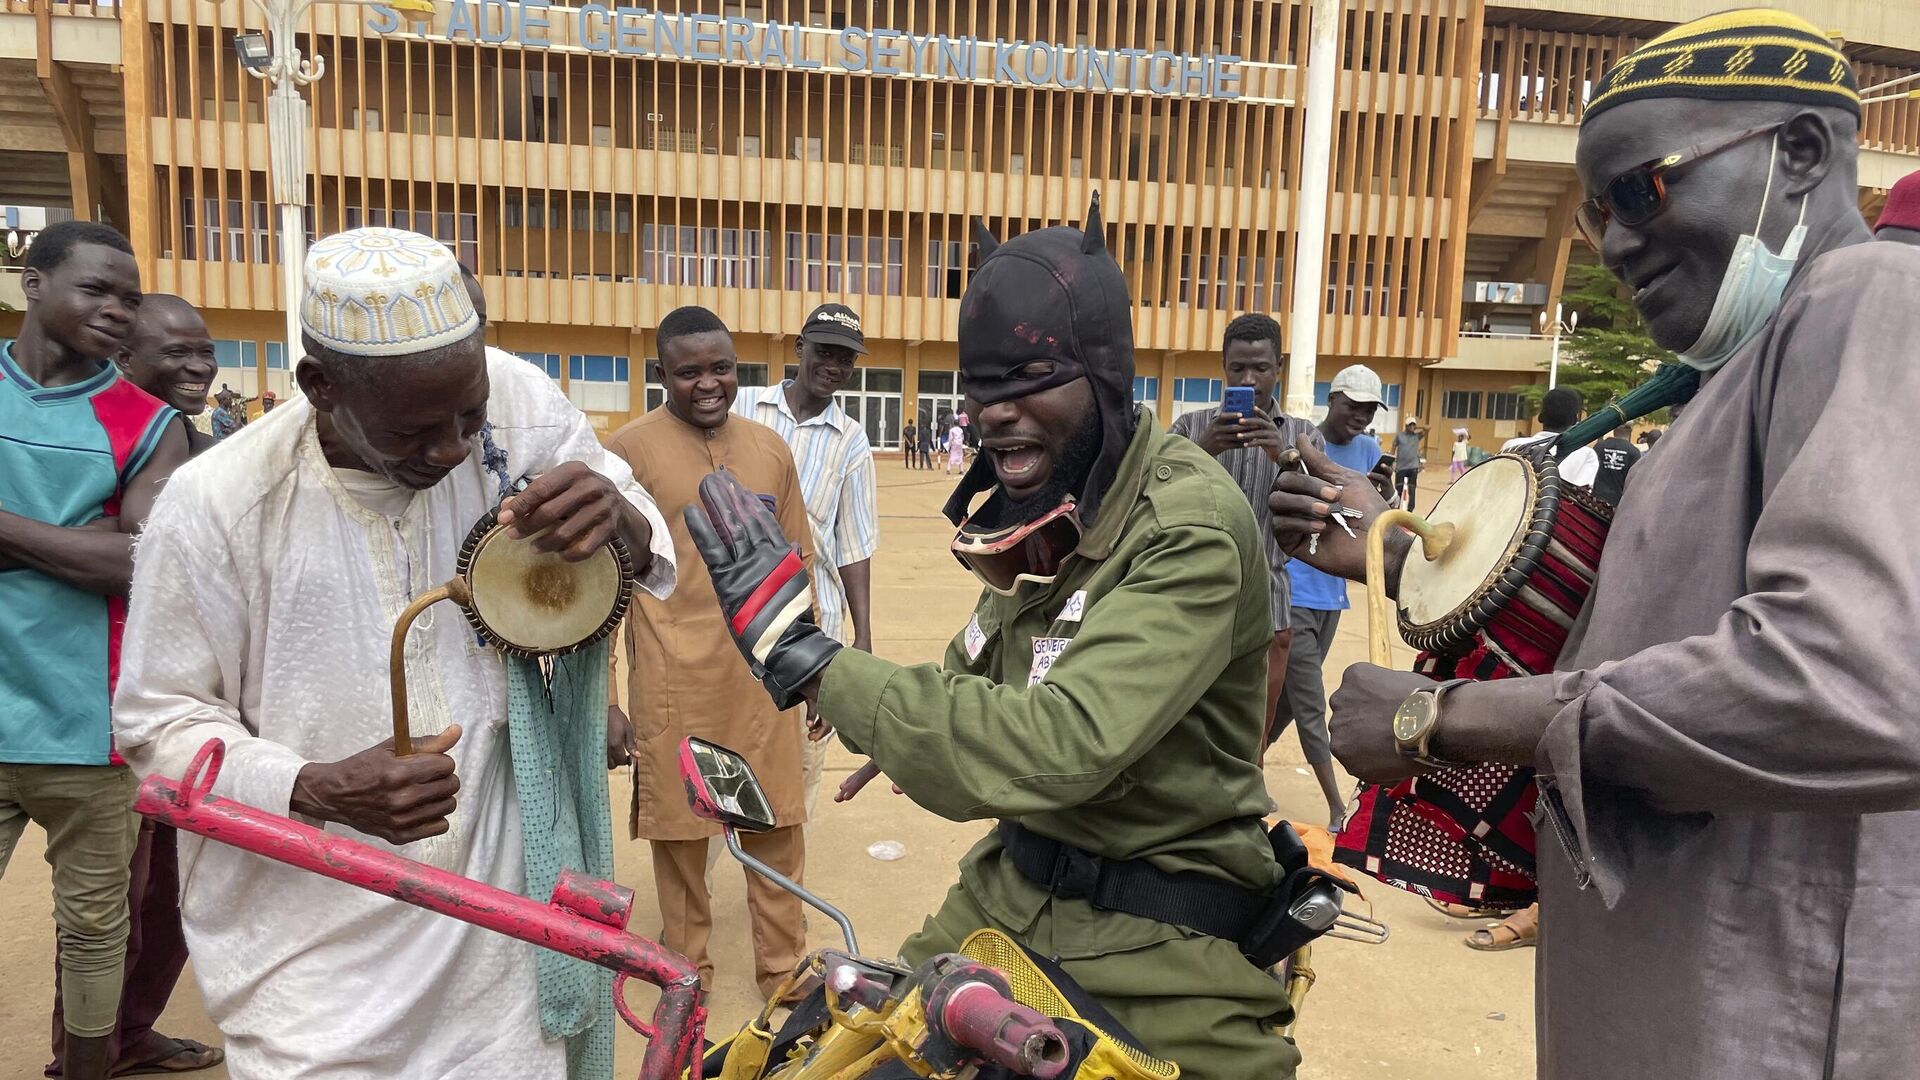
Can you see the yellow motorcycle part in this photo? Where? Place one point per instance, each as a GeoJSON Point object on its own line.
{"type": "Point", "coordinates": [1032, 988]}
{"type": "Point", "coordinates": [747, 1054]}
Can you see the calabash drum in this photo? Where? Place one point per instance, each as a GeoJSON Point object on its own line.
{"type": "Point", "coordinates": [524, 602]}
{"type": "Point", "coordinates": [1505, 562]}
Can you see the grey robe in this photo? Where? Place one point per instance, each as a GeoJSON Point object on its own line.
{"type": "Point", "coordinates": [1738, 755]}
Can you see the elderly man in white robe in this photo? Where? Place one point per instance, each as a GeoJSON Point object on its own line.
{"type": "Point", "coordinates": [264, 592]}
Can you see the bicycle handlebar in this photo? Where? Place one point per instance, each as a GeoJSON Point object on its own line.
{"type": "Point", "coordinates": [981, 1018]}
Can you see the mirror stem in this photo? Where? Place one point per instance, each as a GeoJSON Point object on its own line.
{"type": "Point", "coordinates": [775, 876]}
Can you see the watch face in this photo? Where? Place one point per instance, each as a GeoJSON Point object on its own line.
{"type": "Point", "coordinates": [1414, 715]}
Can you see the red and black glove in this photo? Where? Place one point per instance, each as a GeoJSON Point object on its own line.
{"type": "Point", "coordinates": [763, 588]}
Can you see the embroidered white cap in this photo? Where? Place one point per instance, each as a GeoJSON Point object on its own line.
{"type": "Point", "coordinates": [385, 292]}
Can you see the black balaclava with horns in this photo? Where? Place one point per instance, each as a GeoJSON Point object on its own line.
{"type": "Point", "coordinates": [1054, 294]}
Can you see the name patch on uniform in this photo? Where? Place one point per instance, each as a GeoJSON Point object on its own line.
{"type": "Point", "coordinates": [1075, 608]}
{"type": "Point", "coordinates": [1045, 651]}
{"type": "Point", "coordinates": [976, 638]}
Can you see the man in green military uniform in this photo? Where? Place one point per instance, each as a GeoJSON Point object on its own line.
{"type": "Point", "coordinates": [1106, 700]}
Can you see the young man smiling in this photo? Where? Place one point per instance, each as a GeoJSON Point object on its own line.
{"type": "Point", "coordinates": [835, 462]}
{"type": "Point", "coordinates": [82, 461]}
{"type": "Point", "coordinates": [686, 677]}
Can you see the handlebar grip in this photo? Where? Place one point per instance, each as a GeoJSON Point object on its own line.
{"type": "Point", "coordinates": [981, 1018]}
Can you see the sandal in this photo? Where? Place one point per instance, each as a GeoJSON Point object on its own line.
{"type": "Point", "coordinates": [1521, 930]}
{"type": "Point", "coordinates": [177, 1056]}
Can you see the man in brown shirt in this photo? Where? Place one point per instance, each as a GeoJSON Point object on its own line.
{"type": "Point", "coordinates": [687, 678]}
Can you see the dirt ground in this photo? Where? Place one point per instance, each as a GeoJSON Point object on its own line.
{"type": "Point", "coordinates": [1420, 1007]}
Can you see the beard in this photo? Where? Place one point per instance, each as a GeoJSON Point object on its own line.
{"type": "Point", "coordinates": [1068, 477]}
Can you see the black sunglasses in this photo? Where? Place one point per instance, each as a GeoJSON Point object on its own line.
{"type": "Point", "coordinates": [1637, 196]}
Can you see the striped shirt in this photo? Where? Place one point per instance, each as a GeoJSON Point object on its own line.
{"type": "Point", "coordinates": [1255, 472]}
{"type": "Point", "coordinates": [835, 462]}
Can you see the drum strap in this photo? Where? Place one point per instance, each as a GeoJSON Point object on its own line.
{"type": "Point", "coordinates": [1136, 887]}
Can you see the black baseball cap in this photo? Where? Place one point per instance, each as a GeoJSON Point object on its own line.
{"type": "Point", "coordinates": [835, 324]}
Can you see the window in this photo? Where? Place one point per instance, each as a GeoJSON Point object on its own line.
{"type": "Point", "coordinates": [1390, 395]}
{"type": "Point", "coordinates": [751, 374]}
{"type": "Point", "coordinates": [235, 355]}
{"type": "Point", "coordinates": [1322, 393]}
{"type": "Point", "coordinates": [1196, 391]}
{"type": "Point", "coordinates": [276, 356]}
{"type": "Point", "coordinates": [597, 382]}
{"type": "Point", "coordinates": [547, 362]}
{"type": "Point", "coordinates": [856, 264]}
{"type": "Point", "coordinates": [946, 265]}
{"type": "Point", "coordinates": [1460, 405]}
{"type": "Point", "coordinates": [805, 149]}
{"type": "Point", "coordinates": [1146, 390]}
{"type": "Point", "coordinates": [937, 382]}
{"type": "Point", "coordinates": [1504, 406]}
{"type": "Point", "coordinates": [685, 255]}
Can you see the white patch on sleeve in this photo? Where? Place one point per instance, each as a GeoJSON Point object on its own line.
{"type": "Point", "coordinates": [976, 639]}
{"type": "Point", "coordinates": [1045, 651]}
{"type": "Point", "coordinates": [1075, 608]}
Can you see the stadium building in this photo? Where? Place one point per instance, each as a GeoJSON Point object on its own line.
{"type": "Point", "coordinates": [601, 164]}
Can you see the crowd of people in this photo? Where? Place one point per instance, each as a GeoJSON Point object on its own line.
{"type": "Point", "coordinates": [1725, 759]}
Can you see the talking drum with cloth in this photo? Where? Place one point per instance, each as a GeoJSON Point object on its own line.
{"type": "Point", "coordinates": [1727, 742]}
{"type": "Point", "coordinates": [265, 599]}
{"type": "Point", "coordinates": [1498, 601]}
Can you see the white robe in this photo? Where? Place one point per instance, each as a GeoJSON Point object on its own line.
{"type": "Point", "coordinates": [263, 600]}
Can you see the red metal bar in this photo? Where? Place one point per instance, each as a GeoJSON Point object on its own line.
{"type": "Point", "coordinates": [585, 920]}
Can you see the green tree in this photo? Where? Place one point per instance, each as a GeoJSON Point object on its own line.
{"type": "Point", "coordinates": [1610, 353]}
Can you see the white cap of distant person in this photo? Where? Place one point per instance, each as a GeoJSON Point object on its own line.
{"type": "Point", "coordinates": [1359, 384]}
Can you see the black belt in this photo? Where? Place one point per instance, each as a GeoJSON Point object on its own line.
{"type": "Point", "coordinates": [1136, 887]}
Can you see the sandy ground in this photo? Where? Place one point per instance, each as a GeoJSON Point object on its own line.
{"type": "Point", "coordinates": [1420, 1007]}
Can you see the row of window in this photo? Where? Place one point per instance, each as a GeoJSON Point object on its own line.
{"type": "Point", "coordinates": [734, 258]}
{"type": "Point", "coordinates": [1466, 405]}
{"type": "Point", "coordinates": [1209, 392]}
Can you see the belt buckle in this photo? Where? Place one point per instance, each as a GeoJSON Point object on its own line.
{"type": "Point", "coordinates": [1076, 875]}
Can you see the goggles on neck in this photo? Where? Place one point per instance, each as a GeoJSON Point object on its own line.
{"type": "Point", "coordinates": [1030, 551]}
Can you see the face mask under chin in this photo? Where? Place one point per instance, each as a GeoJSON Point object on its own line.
{"type": "Point", "coordinates": [1750, 290]}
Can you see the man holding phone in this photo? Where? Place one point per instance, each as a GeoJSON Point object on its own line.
{"type": "Point", "coordinates": [1318, 599]}
{"type": "Point", "coordinates": [1246, 435]}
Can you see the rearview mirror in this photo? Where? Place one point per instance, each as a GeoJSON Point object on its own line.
{"type": "Point", "coordinates": [721, 787]}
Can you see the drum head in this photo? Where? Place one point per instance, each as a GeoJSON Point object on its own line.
{"type": "Point", "coordinates": [531, 603]}
{"type": "Point", "coordinates": [1491, 510]}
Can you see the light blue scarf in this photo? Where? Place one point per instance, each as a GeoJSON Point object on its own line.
{"type": "Point", "coordinates": [557, 734]}
{"type": "Point", "coordinates": [560, 773]}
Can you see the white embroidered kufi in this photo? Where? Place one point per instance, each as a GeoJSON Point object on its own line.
{"type": "Point", "coordinates": [385, 292]}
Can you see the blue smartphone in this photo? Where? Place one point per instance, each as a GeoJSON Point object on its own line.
{"type": "Point", "coordinates": [1238, 400]}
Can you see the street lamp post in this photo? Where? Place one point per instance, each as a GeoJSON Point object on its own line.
{"type": "Point", "coordinates": [275, 57]}
{"type": "Point", "coordinates": [1563, 323]}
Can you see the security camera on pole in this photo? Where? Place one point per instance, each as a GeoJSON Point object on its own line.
{"type": "Point", "coordinates": [275, 57]}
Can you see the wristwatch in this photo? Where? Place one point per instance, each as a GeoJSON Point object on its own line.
{"type": "Point", "coordinates": [1416, 721]}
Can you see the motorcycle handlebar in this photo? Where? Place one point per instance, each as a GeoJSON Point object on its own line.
{"type": "Point", "coordinates": [981, 1018]}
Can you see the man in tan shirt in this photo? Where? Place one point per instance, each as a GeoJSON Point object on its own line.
{"type": "Point", "coordinates": [687, 678]}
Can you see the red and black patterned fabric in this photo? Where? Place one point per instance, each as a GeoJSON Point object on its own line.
{"type": "Point", "coordinates": [1465, 835]}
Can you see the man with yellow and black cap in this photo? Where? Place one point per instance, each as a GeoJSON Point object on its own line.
{"type": "Point", "coordinates": [1106, 701]}
{"type": "Point", "coordinates": [1729, 751]}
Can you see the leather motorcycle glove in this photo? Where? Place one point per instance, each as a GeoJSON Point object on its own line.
{"type": "Point", "coordinates": [764, 589]}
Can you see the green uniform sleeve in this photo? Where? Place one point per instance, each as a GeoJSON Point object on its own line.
{"type": "Point", "coordinates": [965, 747]}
